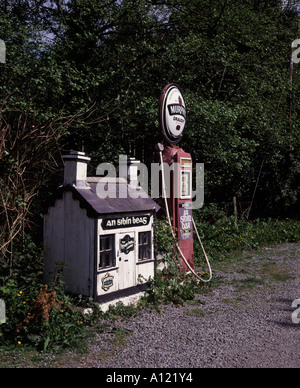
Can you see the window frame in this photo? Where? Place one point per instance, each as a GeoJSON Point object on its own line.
{"type": "Point", "coordinates": [145, 247]}
{"type": "Point", "coordinates": [110, 251]}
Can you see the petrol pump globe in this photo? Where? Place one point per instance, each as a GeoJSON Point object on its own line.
{"type": "Point", "coordinates": [172, 114]}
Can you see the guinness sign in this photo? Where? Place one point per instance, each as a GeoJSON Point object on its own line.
{"type": "Point", "coordinates": [107, 282]}
{"type": "Point", "coordinates": [127, 244]}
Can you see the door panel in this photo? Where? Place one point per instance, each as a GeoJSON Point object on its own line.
{"type": "Point", "coordinates": [126, 248]}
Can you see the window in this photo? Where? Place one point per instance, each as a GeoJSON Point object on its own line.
{"type": "Point", "coordinates": [185, 185]}
{"type": "Point", "coordinates": [107, 251]}
{"type": "Point", "coordinates": [145, 246]}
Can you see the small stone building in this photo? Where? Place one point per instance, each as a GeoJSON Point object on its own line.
{"type": "Point", "coordinates": [105, 245]}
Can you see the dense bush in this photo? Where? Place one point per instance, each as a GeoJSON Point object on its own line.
{"type": "Point", "coordinates": [171, 283]}
{"type": "Point", "coordinates": [36, 314]}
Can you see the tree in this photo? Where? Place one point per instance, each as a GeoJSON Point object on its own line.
{"type": "Point", "coordinates": [31, 125]}
{"type": "Point", "coordinates": [88, 75]}
{"type": "Point", "coordinates": [235, 57]}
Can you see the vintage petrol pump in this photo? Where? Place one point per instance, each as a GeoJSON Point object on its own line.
{"type": "Point", "coordinates": [179, 203]}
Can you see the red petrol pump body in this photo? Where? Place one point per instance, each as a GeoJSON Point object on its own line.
{"type": "Point", "coordinates": [172, 121]}
{"type": "Point", "coordinates": [180, 201]}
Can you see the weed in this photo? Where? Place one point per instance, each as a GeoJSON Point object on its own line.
{"type": "Point", "coordinates": [171, 283]}
{"type": "Point", "coordinates": [250, 282]}
{"type": "Point", "coordinates": [226, 235]}
{"type": "Point", "coordinates": [236, 301]}
{"type": "Point", "coordinates": [195, 313]}
{"type": "Point", "coordinates": [276, 272]}
{"type": "Point", "coordinates": [119, 341]}
{"type": "Point", "coordinates": [37, 315]}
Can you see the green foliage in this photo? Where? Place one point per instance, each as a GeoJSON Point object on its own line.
{"type": "Point", "coordinates": [171, 283]}
{"type": "Point", "coordinates": [36, 315]}
{"type": "Point", "coordinates": [121, 311]}
{"type": "Point", "coordinates": [104, 63]}
{"type": "Point", "coordinates": [227, 235]}
{"type": "Point", "coordinates": [175, 288]}
{"type": "Point", "coordinates": [89, 75]}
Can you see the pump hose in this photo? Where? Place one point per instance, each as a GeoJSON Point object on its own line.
{"type": "Point", "coordinates": [174, 236]}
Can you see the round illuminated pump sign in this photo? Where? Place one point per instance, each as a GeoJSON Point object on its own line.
{"type": "Point", "coordinates": [172, 113]}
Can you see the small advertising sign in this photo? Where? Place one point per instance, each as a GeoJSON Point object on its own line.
{"type": "Point", "coordinates": [127, 244]}
{"type": "Point", "coordinates": [185, 223]}
{"type": "Point", "coordinates": [107, 282]}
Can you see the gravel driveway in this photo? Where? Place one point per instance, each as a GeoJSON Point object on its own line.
{"type": "Point", "coordinates": [244, 320]}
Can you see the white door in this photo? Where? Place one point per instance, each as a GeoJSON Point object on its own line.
{"type": "Point", "coordinates": [126, 248]}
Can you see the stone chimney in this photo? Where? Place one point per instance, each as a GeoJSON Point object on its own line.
{"type": "Point", "coordinates": [76, 169]}
{"type": "Point", "coordinates": [128, 170]}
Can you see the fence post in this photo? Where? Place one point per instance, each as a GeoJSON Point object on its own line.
{"type": "Point", "coordinates": [235, 211]}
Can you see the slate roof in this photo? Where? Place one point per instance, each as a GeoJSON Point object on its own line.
{"type": "Point", "coordinates": [118, 188]}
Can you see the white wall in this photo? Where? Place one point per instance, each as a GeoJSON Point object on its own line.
{"type": "Point", "coordinates": [146, 268]}
{"type": "Point", "coordinates": [69, 238]}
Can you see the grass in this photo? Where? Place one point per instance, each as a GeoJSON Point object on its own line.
{"type": "Point", "coordinates": [226, 236]}
{"type": "Point", "coordinates": [234, 301]}
{"type": "Point", "coordinates": [119, 340]}
{"type": "Point", "coordinates": [276, 272]}
{"type": "Point", "coordinates": [257, 271]}
{"type": "Point", "coordinates": [195, 312]}
{"type": "Point", "coordinates": [249, 283]}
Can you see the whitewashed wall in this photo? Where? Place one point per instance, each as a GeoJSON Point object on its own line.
{"type": "Point", "coordinates": [74, 239]}
{"type": "Point", "coordinates": [123, 279]}
{"type": "Point", "coordinates": [69, 238]}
